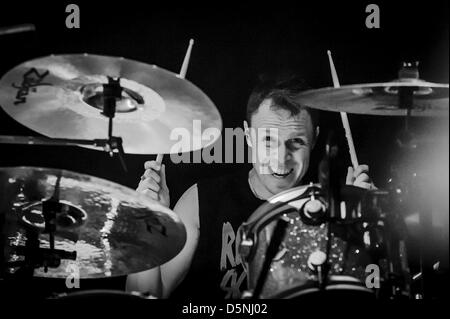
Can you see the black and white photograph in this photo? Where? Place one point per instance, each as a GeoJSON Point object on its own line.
{"type": "Point", "coordinates": [222, 155]}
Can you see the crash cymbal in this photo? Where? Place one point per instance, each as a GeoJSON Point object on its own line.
{"type": "Point", "coordinates": [60, 96]}
{"type": "Point", "coordinates": [430, 99]}
{"type": "Point", "coordinates": [113, 229]}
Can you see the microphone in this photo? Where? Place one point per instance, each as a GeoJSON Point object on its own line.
{"type": "Point", "coordinates": [19, 28]}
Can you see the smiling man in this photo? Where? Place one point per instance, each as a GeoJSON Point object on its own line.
{"type": "Point", "coordinates": [283, 134]}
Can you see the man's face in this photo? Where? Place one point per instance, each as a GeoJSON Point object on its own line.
{"type": "Point", "coordinates": [284, 143]}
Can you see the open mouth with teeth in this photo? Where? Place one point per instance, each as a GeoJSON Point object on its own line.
{"type": "Point", "coordinates": [282, 174]}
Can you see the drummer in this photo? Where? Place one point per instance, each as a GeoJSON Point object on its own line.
{"type": "Point", "coordinates": [212, 210]}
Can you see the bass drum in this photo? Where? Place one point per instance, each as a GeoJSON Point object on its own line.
{"type": "Point", "coordinates": [353, 250]}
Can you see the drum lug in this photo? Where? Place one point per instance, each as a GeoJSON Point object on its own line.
{"type": "Point", "coordinates": [314, 211]}
{"type": "Point", "coordinates": [316, 259]}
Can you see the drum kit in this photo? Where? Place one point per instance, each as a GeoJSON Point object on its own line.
{"type": "Point", "coordinates": [312, 239]}
{"type": "Point", "coordinates": [331, 241]}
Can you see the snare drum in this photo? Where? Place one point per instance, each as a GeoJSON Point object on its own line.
{"type": "Point", "coordinates": [310, 239]}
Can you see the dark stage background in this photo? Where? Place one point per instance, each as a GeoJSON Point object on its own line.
{"type": "Point", "coordinates": [233, 43]}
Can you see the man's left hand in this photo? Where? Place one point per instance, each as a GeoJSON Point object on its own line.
{"type": "Point", "coordinates": [359, 177]}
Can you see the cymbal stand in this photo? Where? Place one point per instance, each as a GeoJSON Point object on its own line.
{"type": "Point", "coordinates": [111, 92]}
{"type": "Point", "coordinates": [406, 142]}
{"type": "Point", "coordinates": [34, 255]}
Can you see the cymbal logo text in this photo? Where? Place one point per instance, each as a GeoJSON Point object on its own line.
{"type": "Point", "coordinates": [31, 79]}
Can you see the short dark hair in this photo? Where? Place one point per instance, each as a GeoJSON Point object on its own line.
{"type": "Point", "coordinates": [282, 89]}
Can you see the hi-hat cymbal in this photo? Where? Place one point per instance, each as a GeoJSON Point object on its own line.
{"type": "Point", "coordinates": [429, 99]}
{"type": "Point", "coordinates": [60, 96]}
{"type": "Point", "coordinates": [113, 229]}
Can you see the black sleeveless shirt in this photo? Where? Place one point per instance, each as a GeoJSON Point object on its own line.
{"type": "Point", "coordinates": [216, 271]}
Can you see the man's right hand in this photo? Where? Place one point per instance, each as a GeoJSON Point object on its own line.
{"type": "Point", "coordinates": [153, 183]}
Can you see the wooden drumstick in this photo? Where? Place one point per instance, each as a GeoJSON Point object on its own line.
{"type": "Point", "coordinates": [158, 160]}
{"type": "Point", "coordinates": [187, 57]}
{"type": "Point", "coordinates": [183, 71]}
{"type": "Point", "coordinates": [344, 118]}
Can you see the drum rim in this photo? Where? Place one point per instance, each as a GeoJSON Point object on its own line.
{"type": "Point", "coordinates": [274, 207]}
{"type": "Point", "coordinates": [312, 287]}
{"type": "Point", "coordinates": [269, 212]}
